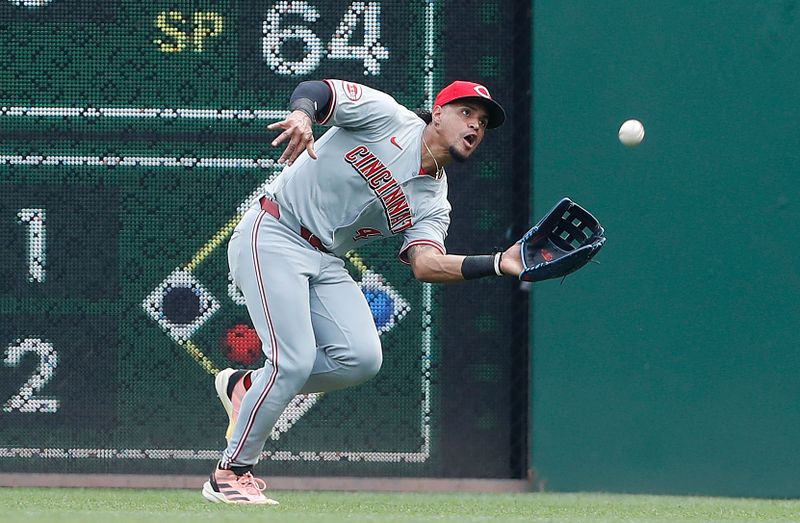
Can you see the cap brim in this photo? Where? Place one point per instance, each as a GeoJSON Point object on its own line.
{"type": "Point", "coordinates": [496, 113]}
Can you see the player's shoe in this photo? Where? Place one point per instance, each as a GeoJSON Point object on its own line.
{"type": "Point", "coordinates": [231, 385]}
{"type": "Point", "coordinates": [224, 486]}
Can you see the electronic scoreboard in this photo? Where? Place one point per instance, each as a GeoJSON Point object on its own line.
{"type": "Point", "coordinates": [133, 137]}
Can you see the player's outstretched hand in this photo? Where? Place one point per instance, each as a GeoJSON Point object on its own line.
{"type": "Point", "coordinates": [297, 129]}
{"type": "Point", "coordinates": [511, 262]}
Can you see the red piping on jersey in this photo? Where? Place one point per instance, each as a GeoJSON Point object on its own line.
{"type": "Point", "coordinates": [273, 342]}
{"type": "Point", "coordinates": [432, 243]}
{"type": "Point", "coordinates": [333, 102]}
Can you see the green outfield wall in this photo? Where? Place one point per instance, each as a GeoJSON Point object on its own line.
{"type": "Point", "coordinates": [673, 366]}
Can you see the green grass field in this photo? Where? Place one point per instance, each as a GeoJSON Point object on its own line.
{"type": "Point", "coordinates": [124, 505]}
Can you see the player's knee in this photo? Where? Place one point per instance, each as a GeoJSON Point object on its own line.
{"type": "Point", "coordinates": [368, 360]}
{"type": "Point", "coordinates": [372, 363]}
{"type": "Point", "coordinates": [292, 369]}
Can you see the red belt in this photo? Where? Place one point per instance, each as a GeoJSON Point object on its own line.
{"type": "Point", "coordinates": [272, 208]}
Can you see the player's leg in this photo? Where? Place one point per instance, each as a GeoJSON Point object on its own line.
{"type": "Point", "coordinates": [273, 271]}
{"type": "Point", "coordinates": [348, 346]}
{"type": "Point", "coordinates": [271, 266]}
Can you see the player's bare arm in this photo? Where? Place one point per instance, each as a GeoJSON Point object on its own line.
{"type": "Point", "coordinates": [430, 265]}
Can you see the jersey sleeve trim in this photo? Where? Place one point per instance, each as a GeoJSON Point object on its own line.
{"type": "Point", "coordinates": [403, 255]}
{"type": "Point", "coordinates": [332, 104]}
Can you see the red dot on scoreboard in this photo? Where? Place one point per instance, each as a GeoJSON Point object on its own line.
{"type": "Point", "coordinates": [241, 344]}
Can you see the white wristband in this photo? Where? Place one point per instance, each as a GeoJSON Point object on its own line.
{"type": "Point", "coordinates": [497, 257]}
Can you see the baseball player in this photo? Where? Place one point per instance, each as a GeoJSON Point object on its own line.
{"type": "Point", "coordinates": [378, 172]}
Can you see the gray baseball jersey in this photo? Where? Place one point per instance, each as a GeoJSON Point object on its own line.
{"type": "Point", "coordinates": [366, 183]}
{"type": "Point", "coordinates": [315, 325]}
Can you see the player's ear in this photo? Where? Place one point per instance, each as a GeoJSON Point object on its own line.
{"type": "Point", "coordinates": [436, 115]}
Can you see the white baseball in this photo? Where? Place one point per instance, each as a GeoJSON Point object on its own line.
{"type": "Point", "coordinates": [631, 133]}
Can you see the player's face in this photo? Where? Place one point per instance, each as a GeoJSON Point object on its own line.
{"type": "Point", "coordinates": [463, 125]}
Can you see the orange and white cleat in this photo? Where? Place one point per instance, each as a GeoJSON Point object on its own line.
{"type": "Point", "coordinates": [225, 486]}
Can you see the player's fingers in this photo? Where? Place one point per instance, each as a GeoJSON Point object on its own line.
{"type": "Point", "coordinates": [296, 152]}
{"type": "Point", "coordinates": [300, 140]}
{"type": "Point", "coordinates": [277, 125]}
{"type": "Point", "coordinates": [311, 152]}
{"type": "Point", "coordinates": [285, 154]}
{"type": "Point", "coordinates": [284, 159]}
{"type": "Point", "coordinates": [291, 152]}
{"type": "Point", "coordinates": [281, 138]}
{"type": "Point", "coordinates": [309, 143]}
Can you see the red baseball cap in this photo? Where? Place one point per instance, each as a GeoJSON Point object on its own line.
{"type": "Point", "coordinates": [460, 90]}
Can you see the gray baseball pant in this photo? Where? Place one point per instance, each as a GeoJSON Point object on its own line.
{"type": "Point", "coordinates": [315, 325]}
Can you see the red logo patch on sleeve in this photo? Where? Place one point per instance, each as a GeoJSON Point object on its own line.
{"type": "Point", "coordinates": [352, 91]}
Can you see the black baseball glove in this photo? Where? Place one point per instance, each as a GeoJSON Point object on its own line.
{"type": "Point", "coordinates": [561, 243]}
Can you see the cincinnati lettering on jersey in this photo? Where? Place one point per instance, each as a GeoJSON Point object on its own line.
{"type": "Point", "coordinates": [386, 188]}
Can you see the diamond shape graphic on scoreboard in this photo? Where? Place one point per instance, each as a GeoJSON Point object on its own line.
{"type": "Point", "coordinates": [388, 306]}
{"type": "Point", "coordinates": [180, 305]}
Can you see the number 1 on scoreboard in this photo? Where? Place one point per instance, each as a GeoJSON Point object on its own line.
{"type": "Point", "coordinates": [34, 219]}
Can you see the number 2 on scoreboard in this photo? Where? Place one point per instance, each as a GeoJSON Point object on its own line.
{"type": "Point", "coordinates": [25, 399]}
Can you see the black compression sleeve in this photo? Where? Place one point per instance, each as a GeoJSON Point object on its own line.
{"type": "Point", "coordinates": [313, 98]}
{"type": "Point", "coordinates": [477, 266]}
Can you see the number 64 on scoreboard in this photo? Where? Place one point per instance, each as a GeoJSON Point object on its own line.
{"type": "Point", "coordinates": [287, 47]}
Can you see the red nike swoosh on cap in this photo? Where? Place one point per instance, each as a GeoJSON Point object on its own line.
{"type": "Point", "coordinates": [393, 139]}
